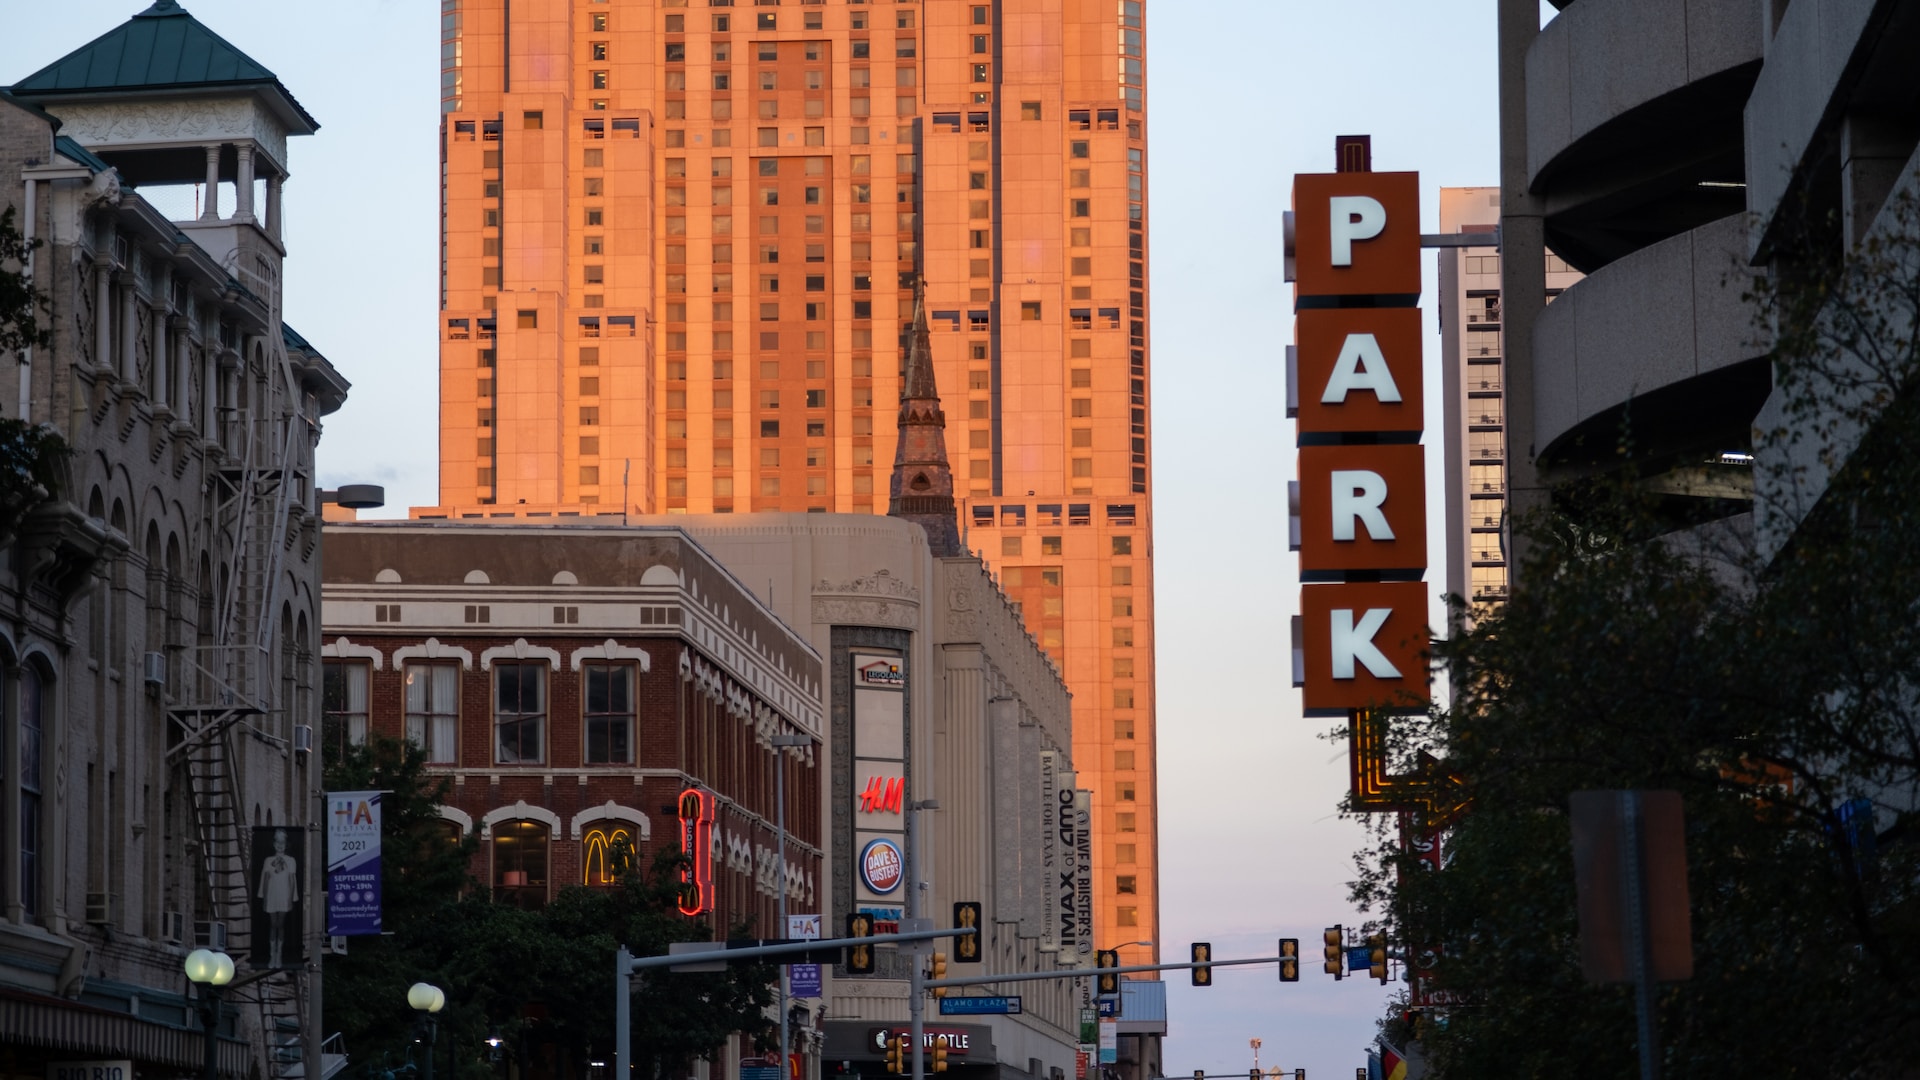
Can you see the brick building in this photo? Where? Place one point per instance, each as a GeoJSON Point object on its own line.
{"type": "Point", "coordinates": [572, 683]}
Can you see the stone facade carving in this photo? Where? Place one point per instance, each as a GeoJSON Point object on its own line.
{"type": "Point", "coordinates": [834, 612]}
{"type": "Point", "coordinates": [233, 119]}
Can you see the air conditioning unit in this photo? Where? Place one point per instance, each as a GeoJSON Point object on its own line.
{"type": "Point", "coordinates": [99, 908]}
{"type": "Point", "coordinates": [173, 926]}
{"type": "Point", "coordinates": [156, 670]}
{"type": "Point", "coordinates": [210, 934]}
{"type": "Point", "coordinates": [303, 737]}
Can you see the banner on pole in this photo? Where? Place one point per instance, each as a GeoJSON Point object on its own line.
{"type": "Point", "coordinates": [353, 863]}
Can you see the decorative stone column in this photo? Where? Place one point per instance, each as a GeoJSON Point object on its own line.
{"type": "Point", "coordinates": [160, 362]}
{"type": "Point", "coordinates": [103, 308]}
{"type": "Point", "coordinates": [273, 205]}
{"type": "Point", "coordinates": [210, 211]}
{"type": "Point", "coordinates": [243, 184]}
{"type": "Point", "coordinates": [182, 368]}
{"type": "Point", "coordinates": [129, 331]}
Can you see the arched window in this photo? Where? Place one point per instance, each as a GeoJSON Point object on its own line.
{"type": "Point", "coordinates": [606, 853]}
{"type": "Point", "coordinates": [31, 782]}
{"type": "Point", "coordinates": [520, 863]}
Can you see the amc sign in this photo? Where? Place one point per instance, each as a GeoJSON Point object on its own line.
{"type": "Point", "coordinates": [1356, 396]}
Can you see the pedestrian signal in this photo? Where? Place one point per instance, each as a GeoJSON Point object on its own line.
{"type": "Point", "coordinates": [966, 947]}
{"type": "Point", "coordinates": [1202, 952]}
{"type": "Point", "coordinates": [1107, 982]}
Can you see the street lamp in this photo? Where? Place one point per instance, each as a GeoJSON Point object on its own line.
{"type": "Point", "coordinates": [427, 999]}
{"type": "Point", "coordinates": [210, 970]}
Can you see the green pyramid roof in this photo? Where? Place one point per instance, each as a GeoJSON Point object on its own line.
{"type": "Point", "coordinates": [161, 48]}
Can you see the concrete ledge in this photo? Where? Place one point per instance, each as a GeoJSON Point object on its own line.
{"type": "Point", "coordinates": [1600, 59]}
{"type": "Point", "coordinates": [1664, 314]}
{"type": "Point", "coordinates": [1807, 58]}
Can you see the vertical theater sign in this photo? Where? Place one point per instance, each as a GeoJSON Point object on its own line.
{"type": "Point", "coordinates": [1359, 507]}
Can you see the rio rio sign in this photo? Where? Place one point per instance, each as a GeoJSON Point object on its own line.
{"type": "Point", "coordinates": [1356, 395]}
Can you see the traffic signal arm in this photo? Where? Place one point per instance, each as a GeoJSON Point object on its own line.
{"type": "Point", "coordinates": [1087, 972]}
{"type": "Point", "coordinates": [720, 951]}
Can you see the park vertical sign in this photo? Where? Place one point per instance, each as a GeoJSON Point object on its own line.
{"type": "Point", "coordinates": [1359, 513]}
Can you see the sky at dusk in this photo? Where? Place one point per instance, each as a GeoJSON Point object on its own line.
{"type": "Point", "coordinates": [1242, 94]}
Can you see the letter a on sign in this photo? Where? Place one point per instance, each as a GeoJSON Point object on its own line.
{"type": "Point", "coordinates": [1359, 371]}
{"type": "Point", "coordinates": [1366, 645]}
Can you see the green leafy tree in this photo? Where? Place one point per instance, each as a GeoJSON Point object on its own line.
{"type": "Point", "coordinates": [1775, 686]}
{"type": "Point", "coordinates": [30, 456]}
{"type": "Point", "coordinates": [20, 301]}
{"type": "Point", "coordinates": [540, 980]}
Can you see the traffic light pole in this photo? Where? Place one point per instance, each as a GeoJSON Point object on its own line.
{"type": "Point", "coordinates": [1084, 972]}
{"type": "Point", "coordinates": [916, 1007]}
{"type": "Point", "coordinates": [626, 964]}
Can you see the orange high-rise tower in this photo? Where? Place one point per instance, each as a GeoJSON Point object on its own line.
{"type": "Point", "coordinates": [679, 251]}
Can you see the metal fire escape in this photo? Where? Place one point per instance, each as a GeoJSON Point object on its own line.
{"type": "Point", "coordinates": [226, 689]}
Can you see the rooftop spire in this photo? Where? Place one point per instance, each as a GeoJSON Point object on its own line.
{"type": "Point", "coordinates": [922, 486]}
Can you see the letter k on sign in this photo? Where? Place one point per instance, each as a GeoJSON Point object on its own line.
{"type": "Point", "coordinates": [1367, 646]}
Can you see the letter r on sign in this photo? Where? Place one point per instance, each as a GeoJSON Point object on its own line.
{"type": "Point", "coordinates": [1357, 496]}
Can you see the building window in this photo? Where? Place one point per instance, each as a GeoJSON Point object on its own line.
{"type": "Point", "coordinates": [520, 863]}
{"type": "Point", "coordinates": [609, 714]}
{"type": "Point", "coordinates": [519, 713]}
{"type": "Point", "coordinates": [32, 780]}
{"type": "Point", "coordinates": [1126, 884]}
{"type": "Point", "coordinates": [606, 854]}
{"type": "Point", "coordinates": [343, 704]}
{"type": "Point", "coordinates": [1127, 916]}
{"type": "Point", "coordinates": [433, 710]}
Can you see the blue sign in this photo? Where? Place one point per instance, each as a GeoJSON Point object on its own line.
{"type": "Point", "coordinates": [353, 863]}
{"type": "Point", "coordinates": [980, 1006]}
{"type": "Point", "coordinates": [803, 980]}
{"type": "Point", "coordinates": [1359, 958]}
{"type": "Point", "coordinates": [1109, 1006]}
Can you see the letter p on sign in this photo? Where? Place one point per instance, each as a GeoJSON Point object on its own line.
{"type": "Point", "coordinates": [1356, 234]}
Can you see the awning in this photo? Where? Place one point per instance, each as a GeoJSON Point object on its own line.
{"type": "Point", "coordinates": [30, 1019]}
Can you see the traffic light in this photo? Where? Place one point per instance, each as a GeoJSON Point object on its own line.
{"type": "Point", "coordinates": [939, 1055]}
{"type": "Point", "coordinates": [1289, 959]}
{"type": "Point", "coordinates": [1253, 1074]}
{"type": "Point", "coordinates": [896, 1053]}
{"type": "Point", "coordinates": [1336, 964]}
{"type": "Point", "coordinates": [859, 957]}
{"type": "Point", "coordinates": [1107, 982]}
{"type": "Point", "coordinates": [1199, 1074]}
{"type": "Point", "coordinates": [1202, 952]}
{"type": "Point", "coordinates": [1377, 956]}
{"type": "Point", "coordinates": [966, 947]}
{"type": "Point", "coordinates": [937, 970]}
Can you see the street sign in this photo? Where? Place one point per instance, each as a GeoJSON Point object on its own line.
{"type": "Point", "coordinates": [980, 1006]}
{"type": "Point", "coordinates": [1109, 1007]}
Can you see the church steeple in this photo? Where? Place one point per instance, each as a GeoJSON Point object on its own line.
{"type": "Point", "coordinates": [922, 485]}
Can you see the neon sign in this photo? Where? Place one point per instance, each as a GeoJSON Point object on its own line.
{"type": "Point", "coordinates": [883, 795]}
{"type": "Point", "coordinates": [696, 839]}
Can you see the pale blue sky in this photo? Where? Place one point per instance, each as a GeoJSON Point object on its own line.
{"type": "Point", "coordinates": [1243, 94]}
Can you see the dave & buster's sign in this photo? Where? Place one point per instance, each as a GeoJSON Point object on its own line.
{"type": "Point", "coordinates": [1357, 401]}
